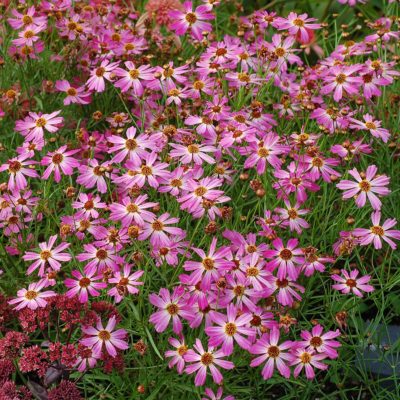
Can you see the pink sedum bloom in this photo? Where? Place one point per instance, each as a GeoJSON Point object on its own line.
{"type": "Point", "coordinates": [367, 186]}
{"type": "Point", "coordinates": [202, 360]}
{"type": "Point", "coordinates": [32, 297]}
{"type": "Point", "coordinates": [349, 283]}
{"type": "Point", "coordinates": [100, 337]}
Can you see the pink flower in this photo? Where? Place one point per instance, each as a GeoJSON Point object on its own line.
{"type": "Point", "coordinates": [171, 306]}
{"type": "Point", "coordinates": [28, 18]}
{"type": "Point", "coordinates": [32, 297]}
{"type": "Point", "coordinates": [377, 232]}
{"type": "Point", "coordinates": [160, 9]}
{"type": "Point", "coordinates": [99, 337]}
{"type": "Point", "coordinates": [193, 153]}
{"type": "Point", "coordinates": [157, 229]}
{"type": "Point", "coordinates": [132, 78]}
{"type": "Point", "coordinates": [177, 355]}
{"type": "Point", "coordinates": [193, 20]}
{"type": "Point", "coordinates": [125, 283]}
{"type": "Point", "coordinates": [273, 353]}
{"type": "Point", "coordinates": [92, 175]}
{"type": "Point", "coordinates": [132, 147]}
{"type": "Point", "coordinates": [60, 161]}
{"type": "Point", "coordinates": [291, 217]}
{"type": "Point", "coordinates": [102, 257]}
{"type": "Point", "coordinates": [28, 36]}
{"type": "Point", "coordinates": [308, 360]}
{"type": "Point", "coordinates": [208, 392]}
{"type": "Point", "coordinates": [321, 343]}
{"type": "Point", "coordinates": [297, 25]}
{"type": "Point", "coordinates": [76, 95]}
{"type": "Point", "coordinates": [202, 360]}
{"type": "Point", "coordinates": [372, 125]}
{"type": "Point", "coordinates": [366, 186]}
{"type": "Point", "coordinates": [47, 256]}
{"type": "Point", "coordinates": [87, 204]}
{"type": "Point", "coordinates": [98, 76]}
{"type": "Point", "coordinates": [286, 291]}
{"type": "Point", "coordinates": [17, 168]}
{"type": "Point", "coordinates": [230, 327]}
{"type": "Point", "coordinates": [34, 125]}
{"type": "Point", "coordinates": [339, 79]}
{"type": "Point", "coordinates": [285, 258]}
{"type": "Point", "coordinates": [84, 285]}
{"type": "Point", "coordinates": [348, 283]}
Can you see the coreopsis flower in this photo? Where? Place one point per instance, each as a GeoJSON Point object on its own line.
{"type": "Point", "coordinates": [99, 75]}
{"type": "Point", "coordinates": [286, 291]}
{"type": "Point", "coordinates": [28, 18]}
{"type": "Point", "coordinates": [171, 306]}
{"type": "Point", "coordinates": [321, 342]}
{"type": "Point", "coordinates": [314, 262]}
{"type": "Point", "coordinates": [87, 358]}
{"type": "Point", "coordinates": [193, 20]}
{"type": "Point", "coordinates": [28, 36]}
{"type": "Point", "coordinates": [88, 205]}
{"type": "Point", "coordinates": [32, 297]}
{"type": "Point", "coordinates": [365, 187]}
{"type": "Point", "coordinates": [274, 354]}
{"type": "Point", "coordinates": [84, 285]}
{"type": "Point", "coordinates": [263, 151]}
{"type": "Point", "coordinates": [132, 77]}
{"type": "Point", "coordinates": [33, 126]}
{"type": "Point", "coordinates": [320, 166]}
{"type": "Point", "coordinates": [372, 125]}
{"type": "Point", "coordinates": [208, 269]}
{"type": "Point", "coordinates": [193, 153]}
{"type": "Point", "coordinates": [347, 150]}
{"type": "Point", "coordinates": [48, 257]}
{"type": "Point", "coordinates": [340, 80]}
{"type": "Point", "coordinates": [201, 360]}
{"type": "Point", "coordinates": [349, 283]}
{"type": "Point", "coordinates": [291, 217]}
{"type": "Point", "coordinates": [129, 210]}
{"type": "Point", "coordinates": [286, 258]}
{"type": "Point", "coordinates": [308, 360]}
{"type": "Point", "coordinates": [297, 25]}
{"type": "Point", "coordinates": [99, 337]}
{"type": "Point", "coordinates": [60, 161]}
{"type": "Point", "coordinates": [351, 3]}
{"type": "Point", "coordinates": [133, 147]}
{"type": "Point", "coordinates": [75, 95]}
{"type": "Point", "coordinates": [125, 283]}
{"type": "Point", "coordinates": [177, 356]}
{"type": "Point", "coordinates": [93, 174]}
{"type": "Point", "coordinates": [18, 168]}
{"type": "Point", "coordinates": [228, 328]}
{"type": "Point", "coordinates": [377, 232]}
{"type": "Point", "coordinates": [103, 257]}
{"type": "Point", "coordinates": [208, 392]}
{"type": "Point", "coordinates": [157, 229]}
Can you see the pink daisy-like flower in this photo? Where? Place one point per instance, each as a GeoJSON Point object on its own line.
{"type": "Point", "coordinates": [366, 186]}
{"type": "Point", "coordinates": [274, 354]}
{"type": "Point", "coordinates": [132, 210]}
{"type": "Point", "coordinates": [133, 147]}
{"type": "Point", "coordinates": [230, 327]}
{"type": "Point", "coordinates": [76, 95]}
{"type": "Point", "coordinates": [349, 283]}
{"type": "Point", "coordinates": [202, 360]}
{"type": "Point", "coordinates": [177, 355]}
{"type": "Point", "coordinates": [285, 258]}
{"type": "Point", "coordinates": [107, 337]}
{"type": "Point", "coordinates": [93, 174]}
{"type": "Point", "coordinates": [32, 297]}
{"type": "Point", "coordinates": [297, 25]}
{"type": "Point", "coordinates": [84, 285]}
{"type": "Point", "coordinates": [131, 78]}
{"type": "Point", "coordinates": [47, 256]}
{"type": "Point", "coordinates": [60, 161]}
{"type": "Point", "coordinates": [102, 257]}
{"type": "Point", "coordinates": [160, 9]}
{"type": "Point", "coordinates": [308, 360]}
{"type": "Point", "coordinates": [193, 153]}
{"type": "Point", "coordinates": [193, 20]}
{"type": "Point", "coordinates": [125, 283]}
{"type": "Point", "coordinates": [28, 36]}
{"type": "Point", "coordinates": [28, 18]}
{"type": "Point", "coordinates": [377, 232]}
{"type": "Point", "coordinates": [99, 75]}
{"type": "Point", "coordinates": [33, 126]}
{"type": "Point", "coordinates": [87, 205]}
{"type": "Point", "coordinates": [171, 306]}
{"type": "Point", "coordinates": [372, 125]}
{"type": "Point", "coordinates": [208, 392]}
{"type": "Point", "coordinates": [322, 343]}
{"type": "Point", "coordinates": [18, 168]}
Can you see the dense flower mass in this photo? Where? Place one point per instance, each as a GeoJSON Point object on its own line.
{"type": "Point", "coordinates": [183, 185]}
